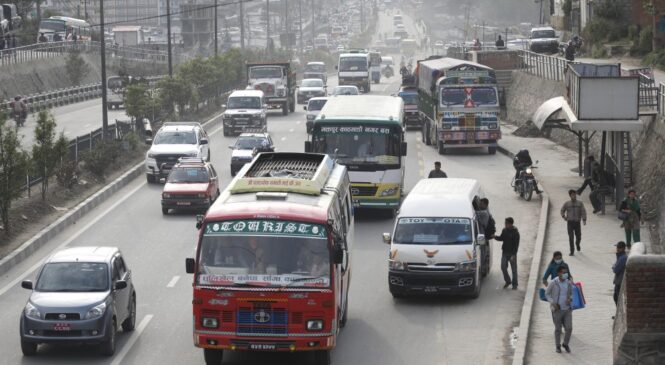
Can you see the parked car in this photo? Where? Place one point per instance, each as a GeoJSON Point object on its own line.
{"type": "Point", "coordinates": [193, 184]}
{"type": "Point", "coordinates": [173, 141]}
{"type": "Point", "coordinates": [313, 109]}
{"type": "Point", "coordinates": [345, 90]}
{"type": "Point", "coordinates": [543, 40]}
{"type": "Point", "coordinates": [81, 295]}
{"type": "Point", "coordinates": [246, 147]}
{"type": "Point", "coordinates": [310, 88]}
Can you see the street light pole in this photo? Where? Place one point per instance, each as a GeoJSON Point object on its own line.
{"type": "Point", "coordinates": [241, 20]}
{"type": "Point", "coordinates": [216, 40]}
{"type": "Point", "coordinates": [268, 24]}
{"type": "Point", "coordinates": [105, 115]}
{"type": "Point", "coordinates": [168, 34]}
{"type": "Point", "coordinates": [300, 23]}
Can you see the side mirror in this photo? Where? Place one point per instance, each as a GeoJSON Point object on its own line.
{"type": "Point", "coordinates": [304, 108]}
{"type": "Point", "coordinates": [119, 285]}
{"type": "Point", "coordinates": [162, 180]}
{"type": "Point", "coordinates": [224, 106]}
{"type": "Point", "coordinates": [338, 254]}
{"type": "Point", "coordinates": [189, 265]}
{"type": "Point", "coordinates": [148, 141]}
{"type": "Point", "coordinates": [308, 146]}
{"type": "Point", "coordinates": [481, 240]}
{"type": "Point", "coordinates": [387, 238]}
{"type": "Point", "coordinates": [199, 221]}
{"type": "Point", "coordinates": [204, 141]}
{"type": "Point", "coordinates": [26, 284]}
{"type": "Point", "coordinates": [404, 148]}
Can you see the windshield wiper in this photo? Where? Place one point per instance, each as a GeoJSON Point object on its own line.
{"type": "Point", "coordinates": [304, 278]}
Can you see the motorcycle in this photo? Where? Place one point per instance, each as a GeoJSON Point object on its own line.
{"type": "Point", "coordinates": [388, 72]}
{"type": "Point", "coordinates": [525, 184]}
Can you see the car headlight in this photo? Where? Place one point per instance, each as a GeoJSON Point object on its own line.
{"type": "Point", "coordinates": [389, 192]}
{"type": "Point", "coordinates": [315, 325]}
{"type": "Point", "coordinates": [96, 311]}
{"type": "Point", "coordinates": [397, 265]}
{"type": "Point", "coordinates": [166, 195]}
{"type": "Point", "coordinates": [31, 311]}
{"type": "Point", "coordinates": [209, 322]}
{"type": "Point", "coordinates": [151, 155]}
{"type": "Point", "coordinates": [466, 266]}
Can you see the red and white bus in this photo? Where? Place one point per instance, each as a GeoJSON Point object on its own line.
{"type": "Point", "coordinates": [272, 265]}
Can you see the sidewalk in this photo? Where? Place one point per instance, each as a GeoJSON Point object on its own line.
{"type": "Point", "coordinates": [591, 342]}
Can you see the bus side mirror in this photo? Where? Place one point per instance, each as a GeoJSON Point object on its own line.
{"type": "Point", "coordinates": [199, 221]}
{"type": "Point", "coordinates": [404, 148]}
{"type": "Point", "coordinates": [338, 254]}
{"type": "Point", "coordinates": [387, 238]}
{"type": "Point", "coordinates": [189, 265]}
{"type": "Point", "coordinates": [308, 146]}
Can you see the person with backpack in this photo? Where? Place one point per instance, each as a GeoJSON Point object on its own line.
{"type": "Point", "coordinates": [553, 267]}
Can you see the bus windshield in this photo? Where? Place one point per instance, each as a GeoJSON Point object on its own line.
{"type": "Point", "coordinates": [267, 253]}
{"type": "Point", "coordinates": [52, 25]}
{"type": "Point", "coordinates": [433, 231]}
{"type": "Point", "coordinates": [468, 97]}
{"type": "Point", "coordinates": [366, 146]}
{"type": "Point", "coordinates": [410, 99]}
{"type": "Point", "coordinates": [353, 64]}
{"type": "Point", "coordinates": [265, 72]}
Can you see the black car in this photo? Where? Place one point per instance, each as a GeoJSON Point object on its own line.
{"type": "Point", "coordinates": [246, 147]}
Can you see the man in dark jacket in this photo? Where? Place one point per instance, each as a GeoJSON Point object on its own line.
{"type": "Point", "coordinates": [510, 237]}
{"type": "Point", "coordinates": [570, 51]}
{"type": "Point", "coordinates": [619, 268]}
{"type": "Point", "coordinates": [437, 172]}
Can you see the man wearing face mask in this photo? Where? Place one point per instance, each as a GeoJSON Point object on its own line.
{"type": "Point", "coordinates": [551, 272]}
{"type": "Point", "coordinates": [559, 294]}
{"type": "Point", "coordinates": [619, 268]}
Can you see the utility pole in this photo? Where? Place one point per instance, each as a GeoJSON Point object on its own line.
{"type": "Point", "coordinates": [362, 15]}
{"type": "Point", "coordinates": [168, 34]}
{"type": "Point", "coordinates": [311, 6]}
{"type": "Point", "coordinates": [540, 13]}
{"type": "Point", "coordinates": [286, 23]}
{"type": "Point", "coordinates": [216, 40]}
{"type": "Point", "coordinates": [105, 115]}
{"type": "Point", "coordinates": [268, 24]}
{"type": "Point", "coordinates": [300, 23]}
{"type": "Point", "coordinates": [241, 20]}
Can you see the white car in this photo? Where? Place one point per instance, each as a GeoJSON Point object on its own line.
{"type": "Point", "coordinates": [310, 88]}
{"type": "Point", "coordinates": [173, 141]}
{"type": "Point", "coordinates": [345, 90]}
{"type": "Point", "coordinates": [313, 109]}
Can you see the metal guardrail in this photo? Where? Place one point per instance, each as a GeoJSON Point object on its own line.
{"type": "Point", "coordinates": [544, 66]}
{"type": "Point", "coordinates": [60, 97]}
{"type": "Point", "coordinates": [36, 51]}
{"type": "Point", "coordinates": [661, 98]}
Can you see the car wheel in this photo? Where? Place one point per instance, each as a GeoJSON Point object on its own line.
{"type": "Point", "coordinates": [107, 348]}
{"type": "Point", "coordinates": [225, 132]}
{"type": "Point", "coordinates": [213, 357]}
{"type": "Point", "coordinates": [442, 148]}
{"type": "Point", "coordinates": [150, 178]}
{"type": "Point", "coordinates": [165, 210]}
{"type": "Point", "coordinates": [28, 348]}
{"type": "Point", "coordinates": [285, 108]}
{"type": "Point", "coordinates": [130, 322]}
{"type": "Point", "coordinates": [491, 150]}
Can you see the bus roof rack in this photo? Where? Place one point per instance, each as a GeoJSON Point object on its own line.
{"type": "Point", "coordinates": [303, 173]}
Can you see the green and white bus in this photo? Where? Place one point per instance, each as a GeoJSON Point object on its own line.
{"type": "Point", "coordinates": [365, 133]}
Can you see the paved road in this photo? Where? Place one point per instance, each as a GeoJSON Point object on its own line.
{"type": "Point", "coordinates": [73, 119]}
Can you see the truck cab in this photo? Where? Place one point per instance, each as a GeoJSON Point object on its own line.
{"type": "Point", "coordinates": [316, 70]}
{"type": "Point", "coordinates": [409, 94]}
{"type": "Point", "coordinates": [245, 112]}
{"type": "Point", "coordinates": [277, 82]}
{"type": "Point", "coordinates": [354, 69]}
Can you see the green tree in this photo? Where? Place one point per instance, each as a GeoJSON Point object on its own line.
{"type": "Point", "coordinates": [76, 68]}
{"type": "Point", "coordinates": [651, 8]}
{"type": "Point", "coordinates": [47, 153]}
{"type": "Point", "coordinates": [14, 164]}
{"type": "Point", "coordinates": [139, 102]}
{"type": "Point", "coordinates": [174, 91]}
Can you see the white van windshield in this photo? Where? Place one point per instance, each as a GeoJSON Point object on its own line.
{"type": "Point", "coordinates": [433, 231]}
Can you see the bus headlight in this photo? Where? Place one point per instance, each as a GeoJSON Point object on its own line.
{"type": "Point", "coordinates": [389, 192]}
{"type": "Point", "coordinates": [315, 325]}
{"type": "Point", "coordinates": [209, 322]}
{"type": "Point", "coordinates": [397, 265]}
{"type": "Point", "coordinates": [466, 266]}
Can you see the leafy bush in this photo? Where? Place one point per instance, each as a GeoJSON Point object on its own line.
{"type": "Point", "coordinates": [67, 174]}
{"type": "Point", "coordinates": [101, 156]}
{"type": "Point", "coordinates": [656, 58]}
{"type": "Point", "coordinates": [133, 139]}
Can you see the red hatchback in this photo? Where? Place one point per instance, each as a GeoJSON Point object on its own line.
{"type": "Point", "coordinates": [192, 184]}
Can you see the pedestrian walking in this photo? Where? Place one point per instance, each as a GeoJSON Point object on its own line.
{"type": "Point", "coordinates": [437, 172]}
{"type": "Point", "coordinates": [570, 51]}
{"type": "Point", "coordinates": [589, 166]}
{"type": "Point", "coordinates": [573, 212]}
{"type": "Point", "coordinates": [631, 225]}
{"type": "Point", "coordinates": [510, 237]}
{"type": "Point", "coordinates": [553, 267]}
{"type": "Point", "coordinates": [619, 268]}
{"type": "Point", "coordinates": [499, 44]}
{"type": "Point", "coordinates": [559, 294]}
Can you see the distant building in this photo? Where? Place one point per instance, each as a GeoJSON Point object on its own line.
{"type": "Point", "coordinates": [116, 12]}
{"type": "Point", "coordinates": [198, 25]}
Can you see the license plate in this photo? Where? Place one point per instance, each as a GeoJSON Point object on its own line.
{"type": "Point", "coordinates": [61, 327]}
{"type": "Point", "coordinates": [261, 346]}
{"type": "Point", "coordinates": [184, 203]}
{"type": "Point", "coordinates": [430, 289]}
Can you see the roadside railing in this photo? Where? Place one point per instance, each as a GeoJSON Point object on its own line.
{"type": "Point", "coordinates": [661, 98]}
{"type": "Point", "coordinates": [544, 66]}
{"type": "Point", "coordinates": [36, 51]}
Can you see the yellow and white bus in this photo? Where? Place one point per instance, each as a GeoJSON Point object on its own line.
{"type": "Point", "coordinates": [365, 133]}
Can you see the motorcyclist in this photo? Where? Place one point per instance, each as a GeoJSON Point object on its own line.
{"type": "Point", "coordinates": [521, 162]}
{"type": "Point", "coordinates": [404, 71]}
{"type": "Point", "coordinates": [388, 71]}
{"type": "Point", "coordinates": [570, 51]}
{"type": "Point", "coordinates": [20, 110]}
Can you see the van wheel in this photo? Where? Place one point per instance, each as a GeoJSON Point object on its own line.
{"type": "Point", "coordinates": [150, 179]}
{"type": "Point", "coordinates": [442, 148]}
{"type": "Point", "coordinates": [322, 357]}
{"type": "Point", "coordinates": [28, 348]}
{"type": "Point", "coordinates": [165, 210]}
{"type": "Point", "coordinates": [130, 322]}
{"type": "Point", "coordinates": [491, 150]}
{"type": "Point", "coordinates": [213, 357]}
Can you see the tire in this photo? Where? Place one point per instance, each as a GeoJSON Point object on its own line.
{"type": "Point", "coordinates": [396, 295]}
{"type": "Point", "coordinates": [150, 178]}
{"type": "Point", "coordinates": [165, 211]}
{"type": "Point", "coordinates": [233, 172]}
{"type": "Point", "coordinates": [491, 150]}
{"type": "Point", "coordinates": [213, 357]}
{"type": "Point", "coordinates": [345, 316]}
{"type": "Point", "coordinates": [129, 323]}
{"type": "Point", "coordinates": [285, 108]}
{"type": "Point", "coordinates": [292, 106]}
{"type": "Point", "coordinates": [476, 291]}
{"type": "Point", "coordinates": [528, 193]}
{"type": "Point", "coordinates": [322, 357]}
{"type": "Point", "coordinates": [29, 348]}
{"type": "Point", "coordinates": [107, 348]}
{"type": "Point", "coordinates": [442, 148]}
{"type": "Point", "coordinates": [225, 132]}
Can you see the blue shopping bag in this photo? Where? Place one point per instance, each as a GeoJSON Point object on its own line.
{"type": "Point", "coordinates": [541, 294]}
{"type": "Point", "coordinates": [578, 299]}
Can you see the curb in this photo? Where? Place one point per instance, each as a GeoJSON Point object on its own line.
{"type": "Point", "coordinates": [42, 237]}
{"type": "Point", "coordinates": [531, 290]}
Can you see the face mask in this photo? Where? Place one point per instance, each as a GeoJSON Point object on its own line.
{"type": "Point", "coordinates": [564, 276]}
{"type": "Point", "coordinates": [558, 261]}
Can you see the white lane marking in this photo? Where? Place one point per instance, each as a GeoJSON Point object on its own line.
{"type": "Point", "coordinates": [216, 130]}
{"type": "Point", "coordinates": [132, 340]}
{"type": "Point", "coordinates": [71, 238]}
{"type": "Point", "coordinates": [173, 281]}
{"type": "Point", "coordinates": [283, 139]}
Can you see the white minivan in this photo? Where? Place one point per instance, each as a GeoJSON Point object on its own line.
{"type": "Point", "coordinates": [435, 247]}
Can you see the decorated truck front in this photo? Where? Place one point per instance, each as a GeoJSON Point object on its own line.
{"type": "Point", "coordinates": [459, 104]}
{"type": "Point", "coordinates": [277, 82]}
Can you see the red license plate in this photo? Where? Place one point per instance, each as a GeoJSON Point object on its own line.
{"type": "Point", "coordinates": [184, 203]}
{"type": "Point", "coordinates": [61, 327]}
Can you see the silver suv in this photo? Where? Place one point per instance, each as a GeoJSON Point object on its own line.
{"type": "Point", "coordinates": [82, 295]}
{"type": "Point", "coordinates": [173, 141]}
